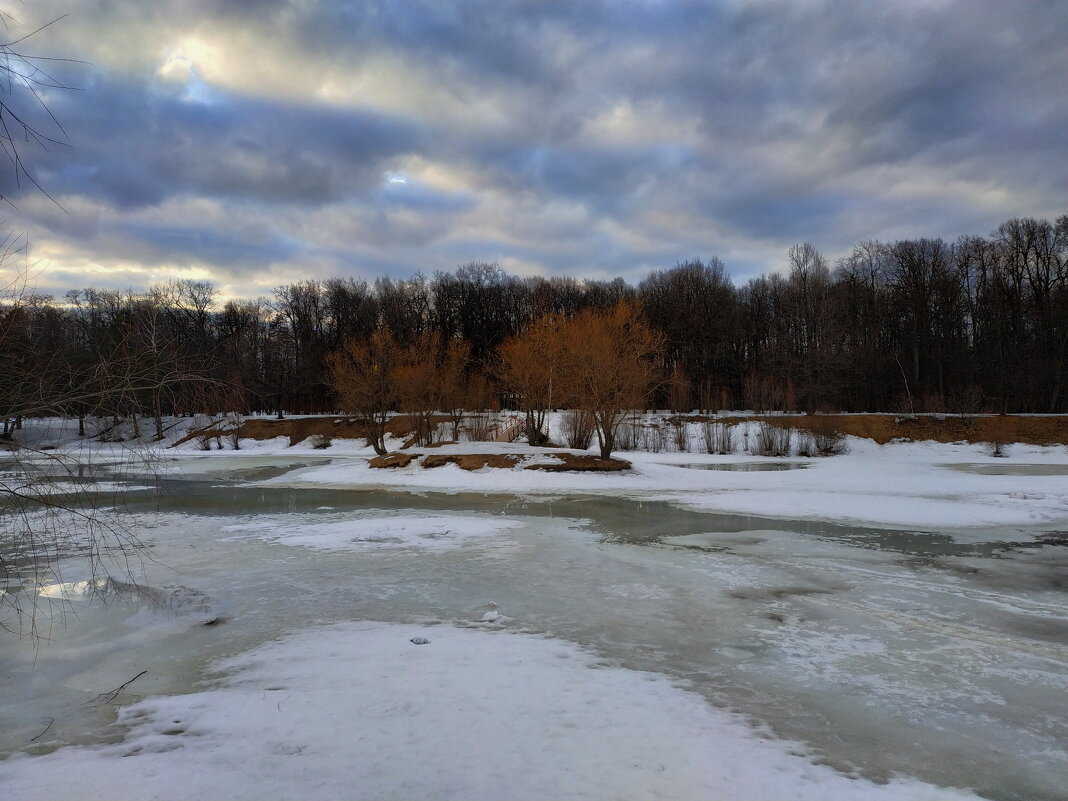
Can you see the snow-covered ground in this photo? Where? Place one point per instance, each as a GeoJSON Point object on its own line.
{"type": "Point", "coordinates": [898, 484]}
{"type": "Point", "coordinates": [889, 623]}
{"type": "Point", "coordinates": [901, 484]}
{"type": "Point", "coordinates": [359, 711]}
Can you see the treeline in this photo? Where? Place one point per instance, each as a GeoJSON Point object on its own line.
{"type": "Point", "coordinates": [924, 325]}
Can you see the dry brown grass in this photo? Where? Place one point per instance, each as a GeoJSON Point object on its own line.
{"type": "Point", "coordinates": [471, 461]}
{"type": "Point", "coordinates": [581, 463]}
{"type": "Point", "coordinates": [393, 460]}
{"type": "Point", "coordinates": [882, 428]}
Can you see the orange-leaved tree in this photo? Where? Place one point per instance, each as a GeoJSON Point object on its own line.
{"type": "Point", "coordinates": [528, 365]}
{"type": "Point", "coordinates": [419, 385]}
{"type": "Point", "coordinates": [365, 376]}
{"type": "Point", "coordinates": [458, 394]}
{"type": "Point", "coordinates": [610, 365]}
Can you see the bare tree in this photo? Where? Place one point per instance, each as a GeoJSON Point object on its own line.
{"type": "Point", "coordinates": [25, 118]}
{"type": "Point", "coordinates": [364, 375]}
{"type": "Point", "coordinates": [51, 504]}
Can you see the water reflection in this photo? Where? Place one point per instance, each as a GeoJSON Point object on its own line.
{"type": "Point", "coordinates": [616, 519]}
{"type": "Point", "coordinates": [1010, 469]}
{"type": "Point", "coordinates": [745, 467]}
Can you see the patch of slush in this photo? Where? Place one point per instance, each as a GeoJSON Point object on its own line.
{"type": "Point", "coordinates": [428, 532]}
{"type": "Point", "coordinates": [355, 710]}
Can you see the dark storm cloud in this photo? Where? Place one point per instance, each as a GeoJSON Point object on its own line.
{"type": "Point", "coordinates": [140, 143]}
{"type": "Point", "coordinates": [597, 137]}
{"type": "Point", "coordinates": [190, 244]}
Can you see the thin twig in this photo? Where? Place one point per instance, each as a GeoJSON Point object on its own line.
{"type": "Point", "coordinates": [42, 734]}
{"type": "Point", "coordinates": [109, 697]}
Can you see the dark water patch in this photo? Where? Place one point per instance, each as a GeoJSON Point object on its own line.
{"type": "Point", "coordinates": [1010, 469]}
{"type": "Point", "coordinates": [768, 593]}
{"type": "Point", "coordinates": [745, 467]}
{"type": "Point", "coordinates": [617, 520]}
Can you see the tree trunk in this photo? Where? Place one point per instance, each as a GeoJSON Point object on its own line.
{"type": "Point", "coordinates": [606, 439]}
{"type": "Point", "coordinates": [376, 434]}
{"type": "Point", "coordinates": [535, 436]}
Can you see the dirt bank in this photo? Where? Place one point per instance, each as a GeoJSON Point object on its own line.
{"type": "Point", "coordinates": [882, 428]}
{"type": "Point", "coordinates": [299, 429]}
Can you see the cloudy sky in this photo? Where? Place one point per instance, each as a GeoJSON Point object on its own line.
{"type": "Point", "coordinates": [254, 142]}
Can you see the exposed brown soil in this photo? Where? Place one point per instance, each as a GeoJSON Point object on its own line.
{"type": "Point", "coordinates": [393, 460]}
{"type": "Point", "coordinates": [581, 463]}
{"type": "Point", "coordinates": [882, 428]}
{"type": "Point", "coordinates": [471, 461]}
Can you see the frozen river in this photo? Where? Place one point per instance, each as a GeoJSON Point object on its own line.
{"type": "Point", "coordinates": [938, 655]}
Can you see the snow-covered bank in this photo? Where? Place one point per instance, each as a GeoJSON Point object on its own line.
{"type": "Point", "coordinates": [905, 485]}
{"type": "Point", "coordinates": [900, 484]}
{"type": "Point", "coordinates": [358, 711]}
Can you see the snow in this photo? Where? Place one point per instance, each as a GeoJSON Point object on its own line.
{"type": "Point", "coordinates": [903, 485]}
{"type": "Point", "coordinates": [900, 484]}
{"type": "Point", "coordinates": [861, 650]}
{"type": "Point", "coordinates": [356, 711]}
{"type": "Point", "coordinates": [432, 533]}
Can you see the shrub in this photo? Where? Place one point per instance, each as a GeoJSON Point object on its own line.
{"type": "Point", "coordinates": [830, 444]}
{"type": "Point", "coordinates": [322, 441]}
{"type": "Point", "coordinates": [824, 438]}
{"type": "Point", "coordinates": [654, 439]}
{"type": "Point", "coordinates": [628, 435]}
{"type": "Point", "coordinates": [771, 440]}
{"type": "Point", "coordinates": [680, 435]}
{"type": "Point", "coordinates": [481, 428]}
{"type": "Point", "coordinates": [718, 437]}
{"type": "Point", "coordinates": [578, 427]}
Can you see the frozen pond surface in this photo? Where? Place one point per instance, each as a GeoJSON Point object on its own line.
{"type": "Point", "coordinates": [938, 655]}
{"type": "Point", "coordinates": [745, 467]}
{"type": "Point", "coordinates": [1011, 469]}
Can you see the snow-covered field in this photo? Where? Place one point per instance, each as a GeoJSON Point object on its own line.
{"type": "Point", "coordinates": [889, 623]}
{"type": "Point", "coordinates": [358, 711]}
{"type": "Point", "coordinates": [901, 484]}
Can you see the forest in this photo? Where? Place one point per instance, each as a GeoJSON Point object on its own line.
{"type": "Point", "coordinates": [916, 325]}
